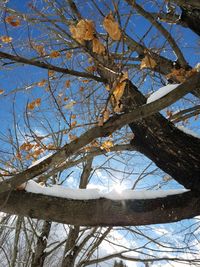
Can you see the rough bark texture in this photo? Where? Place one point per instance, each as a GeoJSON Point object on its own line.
{"type": "Point", "coordinates": [102, 212]}
{"type": "Point", "coordinates": [191, 17]}
{"type": "Point", "coordinates": [40, 254]}
{"type": "Point", "coordinates": [172, 150]}
{"type": "Point", "coordinates": [190, 14]}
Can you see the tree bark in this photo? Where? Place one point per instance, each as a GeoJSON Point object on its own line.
{"type": "Point", "coordinates": [102, 212]}
{"type": "Point", "coordinates": [190, 14]}
{"type": "Point", "coordinates": [40, 255]}
{"type": "Point", "coordinates": [172, 150]}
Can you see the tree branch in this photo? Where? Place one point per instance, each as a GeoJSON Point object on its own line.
{"type": "Point", "coordinates": [102, 212]}
{"type": "Point", "coordinates": [48, 66]}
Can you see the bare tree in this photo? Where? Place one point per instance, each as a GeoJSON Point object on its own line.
{"type": "Point", "coordinates": [76, 77]}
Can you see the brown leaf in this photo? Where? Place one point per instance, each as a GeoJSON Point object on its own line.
{"type": "Point", "coordinates": [69, 55]}
{"type": "Point", "coordinates": [40, 49]}
{"type": "Point", "coordinates": [107, 145]}
{"type": "Point", "coordinates": [1, 91]}
{"type": "Point", "coordinates": [51, 73]}
{"type": "Point", "coordinates": [148, 62]}
{"type": "Point", "coordinates": [112, 27]}
{"type": "Point", "coordinates": [6, 39]}
{"type": "Point", "coordinates": [98, 47]}
{"type": "Point", "coordinates": [38, 102]}
{"type": "Point", "coordinates": [41, 83]}
{"type": "Point", "coordinates": [91, 69]}
{"type": "Point", "coordinates": [31, 106]}
{"type": "Point", "coordinates": [54, 54]}
{"type": "Point", "coordinates": [83, 31]}
{"type": "Point", "coordinates": [73, 116]}
{"type": "Point", "coordinates": [72, 137]}
{"type": "Point", "coordinates": [67, 83]}
{"type": "Point", "coordinates": [13, 21]}
{"type": "Point", "coordinates": [118, 92]}
{"type": "Point", "coordinates": [73, 124]}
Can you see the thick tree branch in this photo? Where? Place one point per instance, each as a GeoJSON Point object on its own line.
{"type": "Point", "coordinates": [102, 212]}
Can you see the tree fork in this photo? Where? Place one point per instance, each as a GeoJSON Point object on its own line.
{"type": "Point", "coordinates": [172, 150]}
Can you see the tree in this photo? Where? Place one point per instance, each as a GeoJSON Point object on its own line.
{"type": "Point", "coordinates": [93, 78]}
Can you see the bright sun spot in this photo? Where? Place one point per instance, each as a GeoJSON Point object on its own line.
{"type": "Point", "coordinates": [118, 188]}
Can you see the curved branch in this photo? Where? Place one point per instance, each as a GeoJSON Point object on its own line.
{"type": "Point", "coordinates": [102, 212]}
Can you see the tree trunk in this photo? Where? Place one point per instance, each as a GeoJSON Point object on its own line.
{"type": "Point", "coordinates": [40, 255]}
{"type": "Point", "coordinates": [172, 150]}
{"type": "Point", "coordinates": [191, 17]}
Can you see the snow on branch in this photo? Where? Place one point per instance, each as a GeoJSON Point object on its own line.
{"type": "Point", "coordinates": [86, 194]}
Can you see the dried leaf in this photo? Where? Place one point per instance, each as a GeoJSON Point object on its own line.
{"type": "Point", "coordinates": [106, 114]}
{"type": "Point", "coordinates": [118, 93]}
{"type": "Point", "coordinates": [98, 47]}
{"type": "Point", "coordinates": [40, 49]}
{"type": "Point", "coordinates": [54, 54]}
{"type": "Point", "coordinates": [6, 39]}
{"type": "Point", "coordinates": [72, 137]}
{"type": "Point", "coordinates": [31, 106]}
{"type": "Point", "coordinates": [35, 103]}
{"type": "Point", "coordinates": [1, 91]}
{"type": "Point", "coordinates": [38, 102]}
{"type": "Point", "coordinates": [73, 116]}
{"type": "Point", "coordinates": [13, 21]}
{"type": "Point", "coordinates": [67, 83]}
{"type": "Point", "coordinates": [51, 73]}
{"type": "Point", "coordinates": [91, 69]}
{"type": "Point", "coordinates": [41, 83]}
{"type": "Point", "coordinates": [51, 147]}
{"type": "Point", "coordinates": [73, 124]}
{"type": "Point", "coordinates": [85, 81]}
{"type": "Point", "coordinates": [83, 31]}
{"type": "Point", "coordinates": [112, 27]}
{"type": "Point", "coordinates": [26, 146]}
{"type": "Point", "coordinates": [69, 55]}
{"type": "Point", "coordinates": [19, 156]}
{"type": "Point", "coordinates": [70, 105]}
{"type": "Point", "coordinates": [148, 62]}
{"type": "Point", "coordinates": [107, 145]}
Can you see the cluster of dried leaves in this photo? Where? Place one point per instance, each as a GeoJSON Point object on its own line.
{"type": "Point", "coordinates": [85, 30]}
{"type": "Point", "coordinates": [36, 103]}
{"type": "Point", "coordinates": [33, 150]}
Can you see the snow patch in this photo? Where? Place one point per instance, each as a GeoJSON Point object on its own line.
{"type": "Point", "coordinates": [86, 194]}
{"type": "Point", "coordinates": [161, 92]}
{"type": "Point", "coordinates": [40, 160]}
